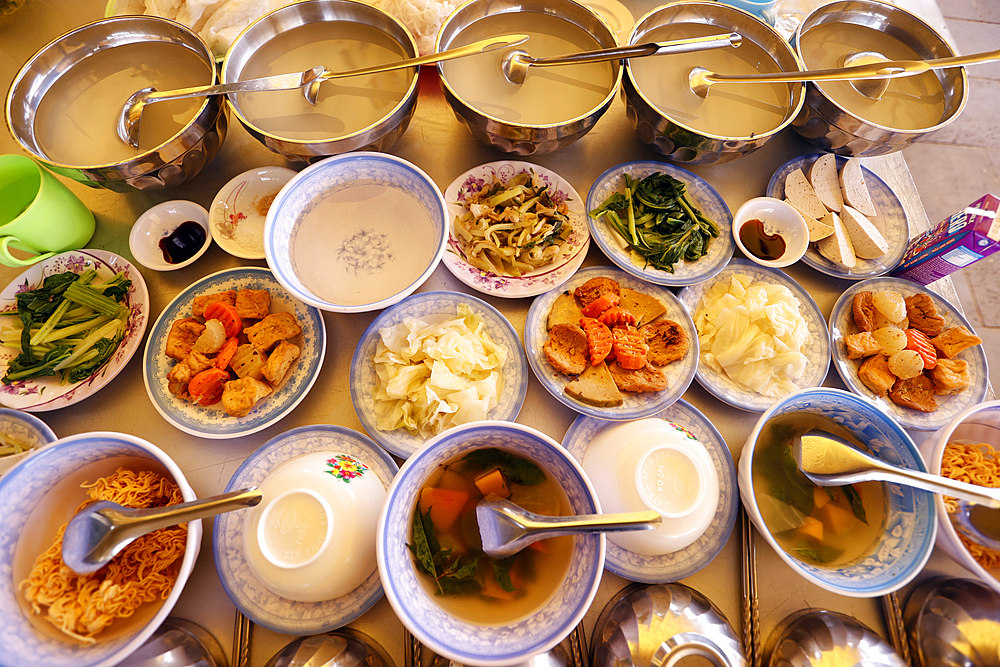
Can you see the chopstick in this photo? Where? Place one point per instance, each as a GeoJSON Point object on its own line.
{"type": "Point", "coordinates": [751, 612]}
{"type": "Point", "coordinates": [894, 624]}
{"type": "Point", "coordinates": [242, 631]}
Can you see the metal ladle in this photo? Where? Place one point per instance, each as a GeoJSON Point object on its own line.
{"type": "Point", "coordinates": [506, 528]}
{"type": "Point", "coordinates": [701, 79]}
{"type": "Point", "coordinates": [99, 531]}
{"type": "Point", "coordinates": [827, 460]}
{"type": "Point", "coordinates": [309, 81]}
{"type": "Point", "coordinates": [516, 63]}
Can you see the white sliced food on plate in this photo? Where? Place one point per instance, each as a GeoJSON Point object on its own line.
{"type": "Point", "coordinates": [802, 195]}
{"type": "Point", "coordinates": [837, 247]}
{"type": "Point", "coordinates": [854, 188]}
{"type": "Point", "coordinates": [818, 229]}
{"type": "Point", "coordinates": [868, 242]}
{"type": "Point", "coordinates": [825, 180]}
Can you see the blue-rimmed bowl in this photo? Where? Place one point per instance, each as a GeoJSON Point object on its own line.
{"type": "Point", "coordinates": [684, 562]}
{"type": "Point", "coordinates": [247, 592]}
{"type": "Point", "coordinates": [842, 325]}
{"type": "Point", "coordinates": [38, 497]}
{"type": "Point", "coordinates": [891, 221]}
{"type": "Point", "coordinates": [25, 428]}
{"type": "Point", "coordinates": [701, 194]}
{"type": "Point", "coordinates": [635, 405]}
{"type": "Point", "coordinates": [356, 232]}
{"type": "Point", "coordinates": [430, 307]}
{"type": "Point", "coordinates": [459, 640]}
{"type": "Point", "coordinates": [817, 351]}
{"type": "Point", "coordinates": [212, 421]}
{"type": "Point", "coordinates": [910, 523]}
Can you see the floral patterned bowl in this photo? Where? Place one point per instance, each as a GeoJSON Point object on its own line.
{"type": "Point", "coordinates": [239, 211]}
{"type": "Point", "coordinates": [909, 526]}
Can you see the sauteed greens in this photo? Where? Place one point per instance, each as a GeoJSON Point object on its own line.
{"type": "Point", "coordinates": [657, 220]}
{"type": "Point", "coordinates": [69, 326]}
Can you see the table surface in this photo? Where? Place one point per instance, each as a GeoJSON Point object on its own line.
{"type": "Point", "coordinates": [438, 144]}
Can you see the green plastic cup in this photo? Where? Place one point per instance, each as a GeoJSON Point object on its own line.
{"type": "Point", "coordinates": [38, 214]}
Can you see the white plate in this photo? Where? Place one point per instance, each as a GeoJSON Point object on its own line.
{"type": "Point", "coordinates": [424, 305]}
{"type": "Point", "coordinates": [817, 351]}
{"type": "Point", "coordinates": [891, 221]}
{"type": "Point", "coordinates": [541, 279]}
{"type": "Point", "coordinates": [703, 195]}
{"type": "Point", "coordinates": [212, 421]}
{"type": "Point", "coordinates": [235, 219]}
{"type": "Point", "coordinates": [679, 564]}
{"type": "Point", "coordinates": [48, 393]}
{"type": "Point", "coordinates": [679, 373]}
{"type": "Point", "coordinates": [842, 324]}
{"type": "Point", "coordinates": [251, 597]}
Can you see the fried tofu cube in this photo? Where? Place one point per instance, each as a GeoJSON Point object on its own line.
{"type": "Point", "coordinates": [277, 326]}
{"type": "Point", "coordinates": [248, 361]}
{"type": "Point", "coordinates": [280, 360]}
{"type": "Point", "coordinates": [200, 303]}
{"type": "Point", "coordinates": [916, 393]}
{"type": "Point", "coordinates": [180, 375]}
{"type": "Point", "coordinates": [950, 376]}
{"type": "Point", "coordinates": [253, 304]}
{"type": "Point", "coordinates": [861, 345]}
{"type": "Point", "coordinates": [239, 396]}
{"type": "Point", "coordinates": [874, 373]}
{"type": "Point", "coordinates": [182, 336]}
{"type": "Point", "coordinates": [952, 341]}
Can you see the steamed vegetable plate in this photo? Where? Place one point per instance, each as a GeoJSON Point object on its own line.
{"type": "Point", "coordinates": [657, 220]}
{"type": "Point", "coordinates": [70, 326]}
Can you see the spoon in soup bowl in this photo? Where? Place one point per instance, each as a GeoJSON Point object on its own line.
{"type": "Point", "coordinates": [827, 460]}
{"type": "Point", "coordinates": [506, 528]}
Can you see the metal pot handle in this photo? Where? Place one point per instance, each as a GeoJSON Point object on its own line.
{"type": "Point", "coordinates": [685, 644]}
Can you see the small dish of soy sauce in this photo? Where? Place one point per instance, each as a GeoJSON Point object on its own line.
{"type": "Point", "coordinates": [770, 232]}
{"type": "Point", "coordinates": [170, 235]}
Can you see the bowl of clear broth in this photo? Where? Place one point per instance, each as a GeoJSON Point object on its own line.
{"type": "Point", "coordinates": [860, 540]}
{"type": "Point", "coordinates": [64, 104]}
{"type": "Point", "coordinates": [458, 602]}
{"type": "Point", "coordinates": [554, 106]}
{"type": "Point", "coordinates": [837, 117]}
{"type": "Point", "coordinates": [733, 119]}
{"type": "Point", "coordinates": [355, 113]}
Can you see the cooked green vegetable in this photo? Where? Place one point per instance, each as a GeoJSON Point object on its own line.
{"type": "Point", "coordinates": [657, 220]}
{"type": "Point", "coordinates": [10, 445]}
{"type": "Point", "coordinates": [68, 327]}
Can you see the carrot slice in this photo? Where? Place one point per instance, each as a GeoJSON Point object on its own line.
{"type": "Point", "coordinates": [206, 387]}
{"type": "Point", "coordinates": [919, 342]}
{"type": "Point", "coordinates": [629, 346]}
{"type": "Point", "coordinates": [445, 506]}
{"type": "Point", "coordinates": [226, 353]}
{"type": "Point", "coordinates": [226, 314]}
{"type": "Point", "coordinates": [598, 339]}
{"type": "Point", "coordinates": [600, 304]}
{"type": "Point", "coordinates": [616, 315]}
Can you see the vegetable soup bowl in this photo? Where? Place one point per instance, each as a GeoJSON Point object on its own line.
{"type": "Point", "coordinates": [897, 549]}
{"type": "Point", "coordinates": [479, 643]}
{"type": "Point", "coordinates": [40, 495]}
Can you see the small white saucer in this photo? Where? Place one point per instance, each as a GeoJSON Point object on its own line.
{"type": "Point", "coordinates": [158, 223]}
{"type": "Point", "coordinates": [240, 209]}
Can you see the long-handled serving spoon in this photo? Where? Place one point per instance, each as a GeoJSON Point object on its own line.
{"type": "Point", "coordinates": [506, 528]}
{"type": "Point", "coordinates": [515, 64]}
{"type": "Point", "coordinates": [131, 115]}
{"type": "Point", "coordinates": [99, 531]}
{"type": "Point", "coordinates": [701, 79]}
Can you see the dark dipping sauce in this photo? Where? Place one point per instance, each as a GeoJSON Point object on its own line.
{"type": "Point", "coordinates": [757, 241]}
{"type": "Point", "coordinates": [183, 243]}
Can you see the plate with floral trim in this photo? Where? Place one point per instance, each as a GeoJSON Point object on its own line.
{"type": "Point", "coordinates": [543, 278]}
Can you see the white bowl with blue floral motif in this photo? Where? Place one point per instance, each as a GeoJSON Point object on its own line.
{"type": "Point", "coordinates": [910, 523]}
{"type": "Point", "coordinates": [356, 232]}
{"type": "Point", "coordinates": [480, 644]}
{"type": "Point", "coordinates": [39, 496]}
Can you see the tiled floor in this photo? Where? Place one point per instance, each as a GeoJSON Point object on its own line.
{"type": "Point", "coordinates": [960, 163]}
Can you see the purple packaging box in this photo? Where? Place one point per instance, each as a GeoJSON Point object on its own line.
{"type": "Point", "coordinates": [966, 237]}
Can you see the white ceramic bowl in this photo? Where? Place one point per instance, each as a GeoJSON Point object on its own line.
{"type": "Point", "coordinates": [312, 537]}
{"type": "Point", "coordinates": [459, 640]}
{"type": "Point", "coordinates": [158, 223]}
{"type": "Point", "coordinates": [40, 495]}
{"type": "Point", "coordinates": [356, 232]}
{"type": "Point", "coordinates": [910, 518]}
{"type": "Point", "coordinates": [655, 465]}
{"type": "Point", "coordinates": [979, 423]}
{"type": "Point", "coordinates": [778, 218]}
{"type": "Point", "coordinates": [25, 428]}
{"type": "Point", "coordinates": [239, 210]}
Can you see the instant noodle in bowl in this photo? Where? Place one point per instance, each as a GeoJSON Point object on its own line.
{"type": "Point", "coordinates": [41, 495]}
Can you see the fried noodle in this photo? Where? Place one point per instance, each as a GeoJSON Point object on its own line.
{"type": "Point", "coordinates": [977, 464]}
{"type": "Point", "coordinates": [81, 606]}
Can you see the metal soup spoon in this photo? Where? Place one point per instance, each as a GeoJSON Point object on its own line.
{"type": "Point", "coordinates": [516, 63]}
{"type": "Point", "coordinates": [309, 81]}
{"type": "Point", "coordinates": [701, 79]}
{"type": "Point", "coordinates": [99, 531]}
{"type": "Point", "coordinates": [827, 460]}
{"type": "Point", "coordinates": [506, 528]}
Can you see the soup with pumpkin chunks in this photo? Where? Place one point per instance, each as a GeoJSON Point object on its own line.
{"type": "Point", "coordinates": [821, 525]}
{"type": "Point", "coordinates": [447, 549]}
